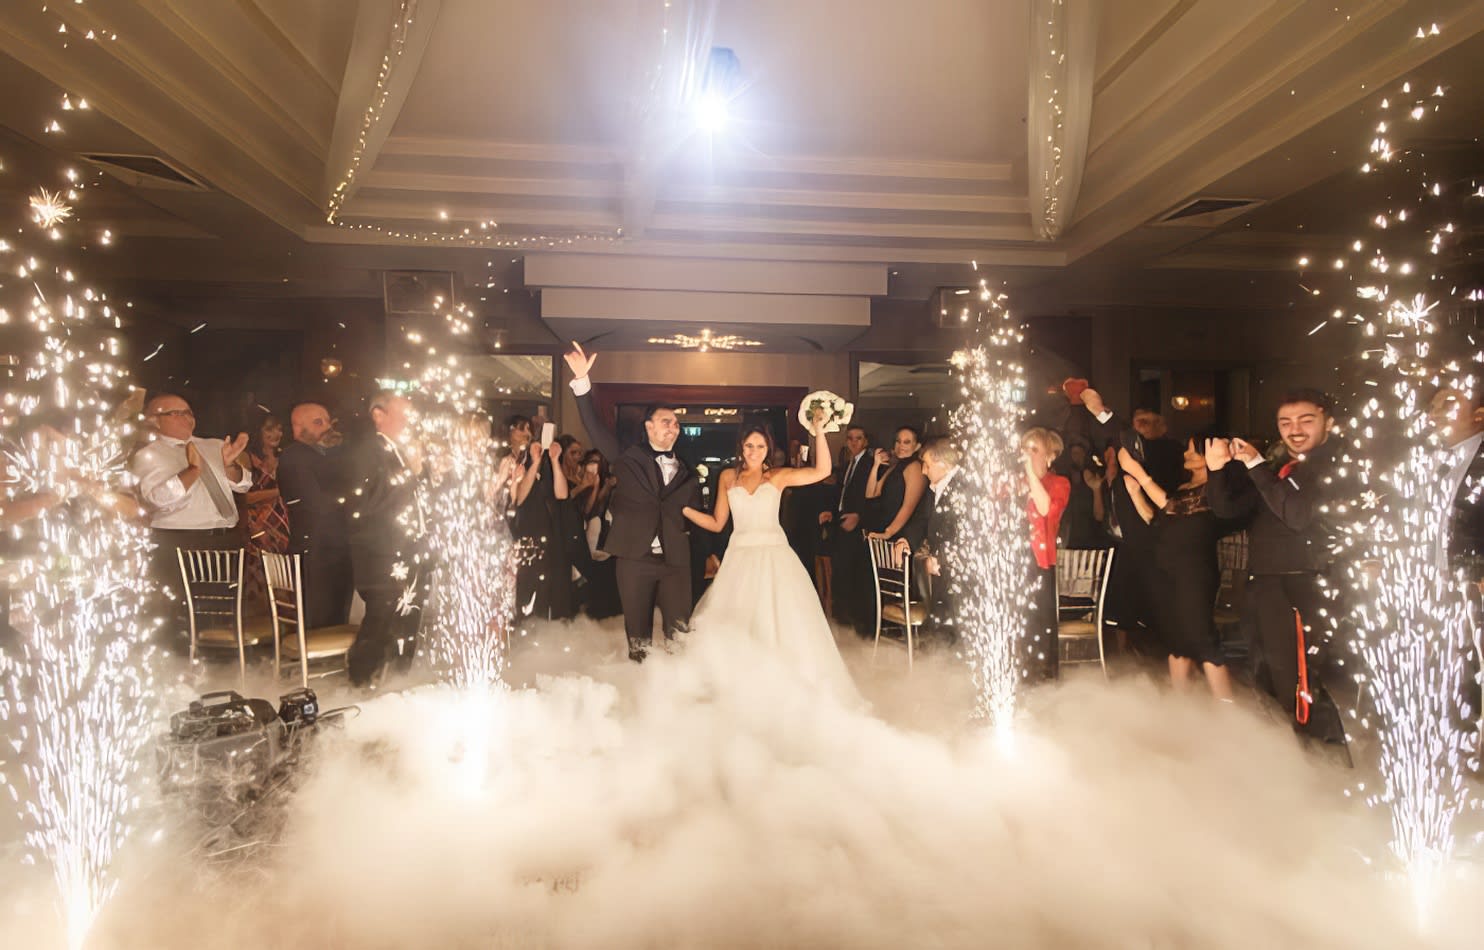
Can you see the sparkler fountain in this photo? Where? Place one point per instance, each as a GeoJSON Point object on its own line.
{"type": "Point", "coordinates": [989, 560]}
{"type": "Point", "coordinates": [474, 597]}
{"type": "Point", "coordinates": [77, 687]}
{"type": "Point", "coordinates": [1411, 617]}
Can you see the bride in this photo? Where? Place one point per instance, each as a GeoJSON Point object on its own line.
{"type": "Point", "coordinates": [762, 595]}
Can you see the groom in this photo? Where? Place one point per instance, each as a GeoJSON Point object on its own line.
{"type": "Point", "coordinates": [649, 537]}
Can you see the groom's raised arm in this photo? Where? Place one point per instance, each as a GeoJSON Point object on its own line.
{"type": "Point", "coordinates": [601, 437]}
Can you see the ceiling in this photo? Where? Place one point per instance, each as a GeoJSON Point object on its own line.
{"type": "Point", "coordinates": [872, 148]}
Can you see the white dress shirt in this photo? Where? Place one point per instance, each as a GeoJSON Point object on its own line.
{"type": "Point", "coordinates": [1458, 460]}
{"type": "Point", "coordinates": [941, 489]}
{"type": "Point", "coordinates": [158, 465]}
{"type": "Point", "coordinates": [845, 481]}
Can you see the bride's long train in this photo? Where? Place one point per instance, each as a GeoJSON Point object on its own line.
{"type": "Point", "coordinates": [683, 803]}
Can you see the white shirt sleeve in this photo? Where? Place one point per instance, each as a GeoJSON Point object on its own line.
{"type": "Point", "coordinates": [581, 386]}
{"type": "Point", "coordinates": [1253, 463]}
{"type": "Point", "coordinates": [245, 482]}
{"type": "Point", "coordinates": [1104, 416]}
{"type": "Point", "coordinates": [159, 480]}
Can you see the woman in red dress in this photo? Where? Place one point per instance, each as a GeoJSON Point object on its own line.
{"type": "Point", "coordinates": [267, 518]}
{"type": "Point", "coordinates": [1046, 498]}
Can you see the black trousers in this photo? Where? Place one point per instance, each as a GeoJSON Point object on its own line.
{"type": "Point", "coordinates": [852, 589]}
{"type": "Point", "coordinates": [327, 586]}
{"type": "Point", "coordinates": [1269, 609]}
{"type": "Point", "coordinates": [389, 629]}
{"type": "Point", "coordinates": [1042, 655]}
{"type": "Point", "coordinates": [644, 583]}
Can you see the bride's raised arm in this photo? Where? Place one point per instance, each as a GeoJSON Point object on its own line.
{"type": "Point", "coordinates": [718, 520]}
{"type": "Point", "coordinates": [793, 477]}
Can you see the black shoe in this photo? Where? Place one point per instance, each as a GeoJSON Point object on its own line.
{"type": "Point", "coordinates": [637, 650]}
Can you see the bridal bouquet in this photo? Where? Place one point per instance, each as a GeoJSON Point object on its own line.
{"type": "Point", "coordinates": [837, 411]}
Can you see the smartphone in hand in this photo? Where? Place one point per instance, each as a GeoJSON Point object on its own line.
{"type": "Point", "coordinates": [548, 434]}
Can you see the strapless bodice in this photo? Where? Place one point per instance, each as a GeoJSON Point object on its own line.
{"type": "Point", "coordinates": [755, 516]}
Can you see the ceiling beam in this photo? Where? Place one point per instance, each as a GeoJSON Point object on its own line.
{"type": "Point", "coordinates": [385, 53]}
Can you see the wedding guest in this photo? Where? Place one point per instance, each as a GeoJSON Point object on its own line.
{"type": "Point", "coordinates": [1289, 554]}
{"type": "Point", "coordinates": [187, 484]}
{"type": "Point", "coordinates": [544, 578]}
{"type": "Point", "coordinates": [595, 491]}
{"type": "Point", "coordinates": [386, 540]}
{"type": "Point", "coordinates": [267, 518]}
{"type": "Point", "coordinates": [1046, 500]}
{"type": "Point", "coordinates": [1185, 573]}
{"type": "Point", "coordinates": [311, 477]}
{"type": "Point", "coordinates": [897, 482]}
{"type": "Point", "coordinates": [850, 566]}
{"type": "Point", "coordinates": [512, 467]}
{"type": "Point", "coordinates": [940, 460]}
{"type": "Point", "coordinates": [1082, 525]}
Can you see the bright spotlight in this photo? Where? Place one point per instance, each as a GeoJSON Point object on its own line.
{"type": "Point", "coordinates": [711, 112]}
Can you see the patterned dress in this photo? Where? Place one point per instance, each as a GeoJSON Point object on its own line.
{"type": "Point", "coordinates": [267, 530]}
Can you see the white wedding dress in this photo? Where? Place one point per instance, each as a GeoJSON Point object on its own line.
{"type": "Point", "coordinates": [762, 599]}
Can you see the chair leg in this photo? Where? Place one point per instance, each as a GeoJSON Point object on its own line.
{"type": "Point", "coordinates": [908, 629]}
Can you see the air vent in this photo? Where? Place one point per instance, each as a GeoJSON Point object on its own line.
{"type": "Point", "coordinates": [1207, 212]}
{"type": "Point", "coordinates": [417, 291]}
{"type": "Point", "coordinates": [144, 171]}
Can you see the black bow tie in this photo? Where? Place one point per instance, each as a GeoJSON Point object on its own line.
{"type": "Point", "coordinates": [663, 455]}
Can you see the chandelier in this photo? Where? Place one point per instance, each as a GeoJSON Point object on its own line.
{"type": "Point", "coordinates": [706, 341]}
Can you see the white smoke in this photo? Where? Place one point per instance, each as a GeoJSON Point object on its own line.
{"type": "Point", "coordinates": [683, 804]}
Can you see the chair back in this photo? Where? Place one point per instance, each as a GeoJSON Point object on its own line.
{"type": "Point", "coordinates": [283, 573]}
{"type": "Point", "coordinates": [1081, 588]}
{"type": "Point", "coordinates": [212, 579]}
{"type": "Point", "coordinates": [893, 574]}
{"type": "Point", "coordinates": [1082, 575]}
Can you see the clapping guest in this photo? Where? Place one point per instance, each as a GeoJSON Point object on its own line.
{"type": "Point", "coordinates": [267, 518]}
{"type": "Point", "coordinates": [1046, 500]}
{"type": "Point", "coordinates": [1184, 575]}
{"type": "Point", "coordinates": [187, 483]}
{"type": "Point", "coordinates": [595, 489]}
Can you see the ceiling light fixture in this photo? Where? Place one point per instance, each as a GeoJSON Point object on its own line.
{"type": "Point", "coordinates": [705, 342]}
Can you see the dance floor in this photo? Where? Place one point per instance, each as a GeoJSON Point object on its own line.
{"type": "Point", "coordinates": [601, 804]}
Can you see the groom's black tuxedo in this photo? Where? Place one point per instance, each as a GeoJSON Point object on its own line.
{"type": "Point", "coordinates": [644, 507]}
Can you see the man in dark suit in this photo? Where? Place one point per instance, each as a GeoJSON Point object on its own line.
{"type": "Point", "coordinates": [853, 599]}
{"type": "Point", "coordinates": [1459, 418]}
{"type": "Point", "coordinates": [649, 536]}
{"type": "Point", "coordinates": [386, 540]}
{"type": "Point", "coordinates": [312, 483]}
{"type": "Point", "coordinates": [1291, 549]}
{"type": "Point", "coordinates": [940, 458]}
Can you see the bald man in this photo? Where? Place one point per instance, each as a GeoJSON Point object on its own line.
{"type": "Point", "coordinates": [312, 482]}
{"type": "Point", "coordinates": [187, 484]}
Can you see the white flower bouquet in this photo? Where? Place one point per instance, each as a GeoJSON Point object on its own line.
{"type": "Point", "coordinates": [837, 411]}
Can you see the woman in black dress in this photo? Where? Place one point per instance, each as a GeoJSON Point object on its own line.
{"type": "Point", "coordinates": [543, 580]}
{"type": "Point", "coordinates": [900, 490]}
{"type": "Point", "coordinates": [595, 489]}
{"type": "Point", "coordinates": [1183, 571]}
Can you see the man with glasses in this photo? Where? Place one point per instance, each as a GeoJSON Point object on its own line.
{"type": "Point", "coordinates": [187, 484]}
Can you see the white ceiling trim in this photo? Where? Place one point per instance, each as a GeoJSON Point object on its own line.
{"type": "Point", "coordinates": [354, 146]}
{"type": "Point", "coordinates": [562, 269]}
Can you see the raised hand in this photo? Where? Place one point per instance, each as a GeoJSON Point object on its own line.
{"type": "Point", "coordinates": [231, 448]}
{"type": "Point", "coordinates": [1092, 479]}
{"type": "Point", "coordinates": [1244, 451]}
{"type": "Point", "coordinates": [1093, 400]}
{"type": "Point", "coordinates": [1129, 464]}
{"type": "Point", "coordinates": [579, 361]}
{"type": "Point", "coordinates": [555, 451]}
{"type": "Point", "coordinates": [193, 456]}
{"type": "Point", "coordinates": [882, 457]}
{"type": "Point", "coordinates": [1218, 453]}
